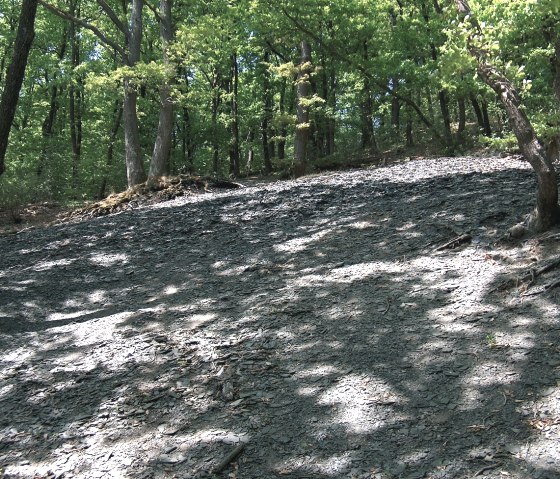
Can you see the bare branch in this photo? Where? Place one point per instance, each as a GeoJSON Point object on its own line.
{"type": "Point", "coordinates": [107, 42]}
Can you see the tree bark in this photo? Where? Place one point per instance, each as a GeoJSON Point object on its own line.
{"type": "Point", "coordinates": [303, 87]}
{"type": "Point", "coordinates": [133, 152]}
{"type": "Point", "coordinates": [546, 212]}
{"type": "Point", "coordinates": [462, 119]}
{"type": "Point", "coordinates": [234, 154]}
{"type": "Point", "coordinates": [75, 99]}
{"type": "Point", "coordinates": [368, 135]}
{"type": "Point", "coordinates": [268, 152]}
{"type": "Point", "coordinates": [159, 166]}
{"type": "Point", "coordinates": [16, 73]}
{"type": "Point", "coordinates": [283, 129]}
{"type": "Point", "coordinates": [216, 100]}
{"type": "Point", "coordinates": [477, 111]}
{"type": "Point", "coordinates": [117, 115]}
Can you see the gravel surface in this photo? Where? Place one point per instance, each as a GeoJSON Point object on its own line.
{"type": "Point", "coordinates": [316, 328]}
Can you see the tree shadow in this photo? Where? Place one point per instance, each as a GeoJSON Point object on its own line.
{"type": "Point", "coordinates": [312, 320]}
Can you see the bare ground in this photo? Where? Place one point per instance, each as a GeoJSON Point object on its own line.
{"type": "Point", "coordinates": [301, 329]}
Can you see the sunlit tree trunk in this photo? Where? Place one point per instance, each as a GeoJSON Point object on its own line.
{"type": "Point", "coordinates": [546, 212]}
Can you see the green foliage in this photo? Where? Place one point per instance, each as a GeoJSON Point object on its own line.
{"type": "Point", "coordinates": [405, 54]}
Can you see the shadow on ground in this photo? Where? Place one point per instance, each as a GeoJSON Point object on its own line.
{"type": "Point", "coordinates": [313, 321]}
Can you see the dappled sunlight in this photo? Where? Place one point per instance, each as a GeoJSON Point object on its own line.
{"type": "Point", "coordinates": [48, 265]}
{"type": "Point", "coordinates": [491, 374]}
{"type": "Point", "coordinates": [332, 466]}
{"type": "Point", "coordinates": [104, 328]}
{"type": "Point", "coordinates": [73, 315]}
{"type": "Point", "coordinates": [322, 339]}
{"type": "Point", "coordinates": [298, 245]}
{"type": "Point", "coordinates": [108, 260]}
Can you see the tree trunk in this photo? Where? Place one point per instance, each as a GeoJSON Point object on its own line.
{"type": "Point", "coordinates": [16, 73]}
{"type": "Point", "coordinates": [283, 130]}
{"type": "Point", "coordinates": [331, 121]}
{"type": "Point", "coordinates": [546, 212]}
{"type": "Point", "coordinates": [462, 119]}
{"type": "Point", "coordinates": [215, 140]}
{"type": "Point", "coordinates": [117, 115]}
{"type": "Point", "coordinates": [234, 154]}
{"type": "Point", "coordinates": [133, 152]}
{"type": "Point", "coordinates": [444, 106]}
{"type": "Point", "coordinates": [477, 111]}
{"type": "Point", "coordinates": [159, 166]}
{"type": "Point", "coordinates": [75, 99]}
{"type": "Point", "coordinates": [303, 86]}
{"type": "Point", "coordinates": [250, 152]}
{"type": "Point", "coordinates": [368, 135]}
{"type": "Point", "coordinates": [267, 117]}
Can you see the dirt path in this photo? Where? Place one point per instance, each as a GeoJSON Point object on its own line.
{"type": "Point", "coordinates": [311, 327]}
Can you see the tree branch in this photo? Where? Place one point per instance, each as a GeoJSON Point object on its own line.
{"type": "Point", "coordinates": [154, 10]}
{"type": "Point", "coordinates": [98, 33]}
{"type": "Point", "coordinates": [114, 18]}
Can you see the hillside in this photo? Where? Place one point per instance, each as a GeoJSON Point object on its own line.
{"type": "Point", "coordinates": [329, 327]}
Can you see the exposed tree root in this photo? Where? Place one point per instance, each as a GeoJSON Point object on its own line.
{"type": "Point", "coordinates": [528, 278]}
{"type": "Point", "coordinates": [455, 242]}
{"type": "Point", "coordinates": [155, 190]}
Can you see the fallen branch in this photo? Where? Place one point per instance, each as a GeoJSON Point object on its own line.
{"type": "Point", "coordinates": [230, 457]}
{"type": "Point", "coordinates": [458, 241]}
{"type": "Point", "coordinates": [544, 289]}
{"type": "Point", "coordinates": [487, 468]}
{"type": "Point", "coordinates": [533, 273]}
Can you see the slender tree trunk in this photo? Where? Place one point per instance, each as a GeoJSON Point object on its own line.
{"type": "Point", "coordinates": [462, 119]}
{"type": "Point", "coordinates": [396, 114]}
{"type": "Point", "coordinates": [159, 166]}
{"type": "Point", "coordinates": [134, 165]}
{"type": "Point", "coordinates": [546, 212]}
{"type": "Point", "coordinates": [234, 154]}
{"type": "Point", "coordinates": [75, 99]}
{"type": "Point", "coordinates": [267, 117]}
{"type": "Point", "coordinates": [187, 141]}
{"type": "Point", "coordinates": [117, 120]}
{"type": "Point", "coordinates": [331, 122]}
{"type": "Point", "coordinates": [477, 111]}
{"type": "Point", "coordinates": [16, 73]}
{"type": "Point", "coordinates": [250, 152]}
{"type": "Point", "coordinates": [303, 86]}
{"type": "Point", "coordinates": [283, 130]}
{"type": "Point", "coordinates": [409, 137]}
{"type": "Point", "coordinates": [368, 135]}
{"type": "Point", "coordinates": [215, 140]}
{"type": "Point", "coordinates": [444, 106]}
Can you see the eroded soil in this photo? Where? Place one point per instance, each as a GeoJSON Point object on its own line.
{"type": "Point", "coordinates": [315, 322]}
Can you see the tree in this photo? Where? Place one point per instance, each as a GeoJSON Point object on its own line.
{"type": "Point", "coordinates": [546, 212]}
{"type": "Point", "coordinates": [16, 73]}
{"type": "Point", "coordinates": [159, 166]}
{"type": "Point", "coordinates": [303, 86]}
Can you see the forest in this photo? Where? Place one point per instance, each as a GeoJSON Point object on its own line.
{"type": "Point", "coordinates": [118, 92]}
{"type": "Point", "coordinates": [306, 239]}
